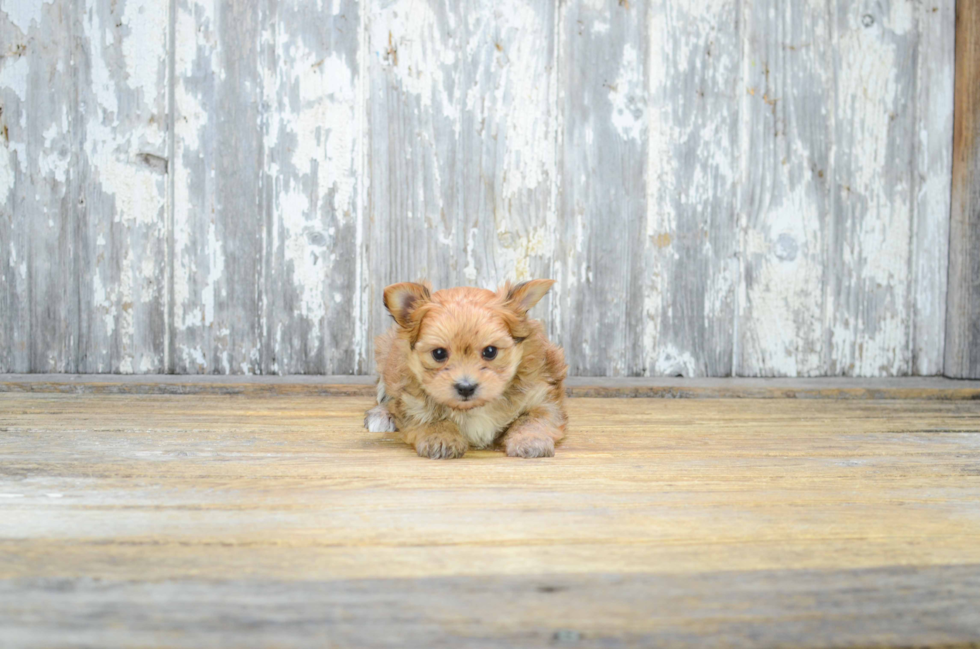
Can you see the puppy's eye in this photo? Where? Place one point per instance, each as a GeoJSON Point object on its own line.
{"type": "Point", "coordinates": [489, 352]}
{"type": "Point", "coordinates": [440, 354]}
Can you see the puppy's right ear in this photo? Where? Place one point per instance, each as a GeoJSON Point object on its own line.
{"type": "Point", "coordinates": [403, 299]}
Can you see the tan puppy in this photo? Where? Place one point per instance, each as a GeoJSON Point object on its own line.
{"type": "Point", "coordinates": [465, 368]}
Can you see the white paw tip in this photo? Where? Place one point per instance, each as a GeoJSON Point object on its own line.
{"type": "Point", "coordinates": [377, 420]}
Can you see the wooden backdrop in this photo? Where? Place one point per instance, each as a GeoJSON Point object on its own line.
{"type": "Point", "coordinates": [751, 187]}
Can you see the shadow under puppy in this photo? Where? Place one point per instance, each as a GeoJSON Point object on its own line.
{"type": "Point", "coordinates": [466, 368]}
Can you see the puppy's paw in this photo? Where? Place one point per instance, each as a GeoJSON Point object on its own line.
{"type": "Point", "coordinates": [441, 447]}
{"type": "Point", "coordinates": [379, 420]}
{"type": "Point", "coordinates": [530, 446]}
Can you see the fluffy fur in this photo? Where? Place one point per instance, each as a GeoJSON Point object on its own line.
{"type": "Point", "coordinates": [518, 396]}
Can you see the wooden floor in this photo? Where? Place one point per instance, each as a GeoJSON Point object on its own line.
{"type": "Point", "coordinates": [206, 520]}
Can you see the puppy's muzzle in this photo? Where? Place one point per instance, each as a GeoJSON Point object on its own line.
{"type": "Point", "coordinates": [465, 388]}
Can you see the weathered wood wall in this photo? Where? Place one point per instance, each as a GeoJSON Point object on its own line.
{"type": "Point", "coordinates": [752, 187]}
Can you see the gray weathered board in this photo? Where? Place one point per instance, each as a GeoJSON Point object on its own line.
{"type": "Point", "coordinates": [750, 187]}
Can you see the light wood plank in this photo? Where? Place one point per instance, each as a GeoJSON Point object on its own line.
{"type": "Point", "coordinates": [755, 609]}
{"type": "Point", "coordinates": [785, 198]}
{"type": "Point", "coordinates": [462, 145]}
{"type": "Point", "coordinates": [311, 81]}
{"type": "Point", "coordinates": [868, 262]}
{"type": "Point", "coordinates": [688, 272]}
{"type": "Point", "coordinates": [218, 188]}
{"type": "Point", "coordinates": [508, 85]}
{"type": "Point", "coordinates": [603, 102]}
{"type": "Point", "coordinates": [963, 313]}
{"type": "Point", "coordinates": [417, 50]}
{"type": "Point", "coordinates": [255, 521]}
{"type": "Point", "coordinates": [39, 185]}
{"type": "Point", "coordinates": [933, 150]}
{"type": "Point", "coordinates": [121, 83]}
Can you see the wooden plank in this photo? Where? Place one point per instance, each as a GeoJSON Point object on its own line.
{"type": "Point", "coordinates": [745, 609]}
{"type": "Point", "coordinates": [688, 274]}
{"type": "Point", "coordinates": [603, 102]}
{"type": "Point", "coordinates": [15, 326]}
{"type": "Point", "coordinates": [868, 262]}
{"type": "Point", "coordinates": [121, 163]}
{"type": "Point", "coordinates": [218, 197]}
{"type": "Point", "coordinates": [963, 313]}
{"type": "Point", "coordinates": [931, 182]}
{"type": "Point", "coordinates": [312, 84]}
{"type": "Point", "coordinates": [650, 387]}
{"type": "Point", "coordinates": [38, 188]}
{"type": "Point", "coordinates": [785, 200]}
{"type": "Point", "coordinates": [658, 523]}
{"type": "Point", "coordinates": [414, 232]}
{"type": "Point", "coordinates": [462, 145]}
{"type": "Point", "coordinates": [508, 85]}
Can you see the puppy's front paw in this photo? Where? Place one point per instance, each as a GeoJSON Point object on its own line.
{"type": "Point", "coordinates": [530, 446]}
{"type": "Point", "coordinates": [441, 447]}
{"type": "Point", "coordinates": [379, 420]}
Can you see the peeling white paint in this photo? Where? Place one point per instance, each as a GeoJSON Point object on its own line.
{"type": "Point", "coordinates": [628, 97]}
{"type": "Point", "coordinates": [13, 75]}
{"type": "Point", "coordinates": [448, 73]}
{"type": "Point", "coordinates": [145, 46]}
{"type": "Point", "coordinates": [324, 123]}
{"type": "Point", "coordinates": [788, 275]}
{"type": "Point", "coordinates": [514, 253]}
{"type": "Point", "coordinates": [216, 270]}
{"type": "Point", "coordinates": [670, 361]}
{"type": "Point", "coordinates": [411, 40]}
{"type": "Point", "coordinates": [25, 13]}
{"type": "Point", "coordinates": [524, 89]}
{"type": "Point", "coordinates": [6, 175]}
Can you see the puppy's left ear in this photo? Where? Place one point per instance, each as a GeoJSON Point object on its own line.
{"type": "Point", "coordinates": [402, 300]}
{"type": "Point", "coordinates": [523, 296]}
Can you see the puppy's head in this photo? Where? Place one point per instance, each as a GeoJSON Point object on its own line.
{"type": "Point", "coordinates": [465, 343]}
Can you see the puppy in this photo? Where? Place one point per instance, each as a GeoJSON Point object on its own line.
{"type": "Point", "coordinates": [466, 368]}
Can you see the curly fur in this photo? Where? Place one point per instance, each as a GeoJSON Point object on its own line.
{"type": "Point", "coordinates": [519, 400]}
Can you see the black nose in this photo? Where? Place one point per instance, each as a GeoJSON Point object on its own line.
{"type": "Point", "coordinates": [465, 388]}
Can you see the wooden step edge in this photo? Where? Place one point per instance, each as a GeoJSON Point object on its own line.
{"type": "Point", "coordinates": [644, 387]}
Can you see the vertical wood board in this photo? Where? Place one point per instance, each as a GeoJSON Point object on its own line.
{"type": "Point", "coordinates": [121, 162]}
{"type": "Point", "coordinates": [603, 100]}
{"type": "Point", "coordinates": [686, 273]}
{"type": "Point", "coordinates": [963, 315]}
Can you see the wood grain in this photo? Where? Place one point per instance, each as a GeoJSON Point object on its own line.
{"type": "Point", "coordinates": [312, 88]}
{"type": "Point", "coordinates": [218, 210]}
{"type": "Point", "coordinates": [933, 145]}
{"type": "Point", "coordinates": [603, 103]}
{"type": "Point", "coordinates": [687, 275]}
{"type": "Point", "coordinates": [39, 188]}
{"type": "Point", "coordinates": [462, 147]}
{"type": "Point", "coordinates": [747, 188]}
{"type": "Point", "coordinates": [931, 388]}
{"type": "Point", "coordinates": [168, 519]}
{"type": "Point", "coordinates": [963, 307]}
{"type": "Point", "coordinates": [121, 82]}
{"type": "Point", "coordinates": [841, 239]}
{"type": "Point", "coordinates": [785, 199]}
{"type": "Point", "coordinates": [745, 609]}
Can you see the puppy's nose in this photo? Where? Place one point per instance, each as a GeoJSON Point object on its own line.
{"type": "Point", "coordinates": [465, 388]}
